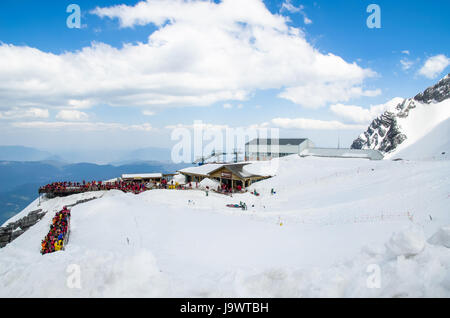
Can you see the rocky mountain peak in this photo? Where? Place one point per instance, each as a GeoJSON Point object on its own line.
{"type": "Point", "coordinates": [384, 133]}
{"type": "Point", "coordinates": [436, 93]}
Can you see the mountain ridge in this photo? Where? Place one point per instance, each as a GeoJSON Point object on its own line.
{"type": "Point", "coordinates": [385, 133]}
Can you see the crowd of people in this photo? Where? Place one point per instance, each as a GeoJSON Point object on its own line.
{"type": "Point", "coordinates": [136, 187]}
{"type": "Point", "coordinates": [224, 188]}
{"type": "Point", "coordinates": [79, 187]}
{"type": "Point", "coordinates": [54, 240]}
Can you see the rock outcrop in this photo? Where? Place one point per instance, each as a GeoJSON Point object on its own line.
{"type": "Point", "coordinates": [13, 230]}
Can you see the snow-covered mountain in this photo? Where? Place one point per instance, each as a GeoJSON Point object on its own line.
{"type": "Point", "coordinates": [330, 227]}
{"type": "Point", "coordinates": [408, 122]}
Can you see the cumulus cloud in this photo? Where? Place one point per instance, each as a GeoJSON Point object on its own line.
{"type": "Point", "coordinates": [83, 126]}
{"type": "Point", "coordinates": [358, 114]}
{"type": "Point", "coordinates": [287, 123]}
{"type": "Point", "coordinates": [313, 124]}
{"type": "Point", "coordinates": [315, 96]}
{"type": "Point", "coordinates": [199, 125]}
{"type": "Point", "coordinates": [72, 115]}
{"type": "Point", "coordinates": [434, 66]}
{"type": "Point", "coordinates": [16, 113]}
{"type": "Point", "coordinates": [201, 53]}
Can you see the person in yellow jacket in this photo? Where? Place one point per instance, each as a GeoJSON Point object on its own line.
{"type": "Point", "coordinates": [57, 246]}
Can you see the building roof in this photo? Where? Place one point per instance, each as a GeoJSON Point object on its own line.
{"type": "Point", "coordinates": [238, 170]}
{"type": "Point", "coordinates": [142, 176]}
{"type": "Point", "coordinates": [207, 169]}
{"type": "Point", "coordinates": [276, 141]}
{"type": "Point", "coordinates": [202, 170]}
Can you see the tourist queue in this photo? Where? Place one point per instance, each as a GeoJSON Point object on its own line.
{"type": "Point", "coordinates": [54, 240]}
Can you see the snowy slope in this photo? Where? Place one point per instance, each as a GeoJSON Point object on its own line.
{"type": "Point", "coordinates": [328, 223]}
{"type": "Point", "coordinates": [432, 144]}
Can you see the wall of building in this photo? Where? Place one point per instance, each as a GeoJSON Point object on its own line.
{"type": "Point", "coordinates": [267, 152]}
{"type": "Point", "coordinates": [342, 153]}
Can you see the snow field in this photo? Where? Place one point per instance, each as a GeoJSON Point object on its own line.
{"type": "Point", "coordinates": [341, 219]}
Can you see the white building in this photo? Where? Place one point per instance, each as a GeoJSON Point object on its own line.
{"type": "Point", "coordinates": [342, 153]}
{"type": "Point", "coordinates": [266, 149]}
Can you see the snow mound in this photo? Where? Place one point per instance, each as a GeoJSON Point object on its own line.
{"type": "Point", "coordinates": [408, 242]}
{"type": "Point", "coordinates": [212, 184]}
{"type": "Point", "coordinates": [441, 237]}
{"type": "Point", "coordinates": [266, 168]}
{"type": "Point", "coordinates": [179, 178]}
{"type": "Point", "coordinates": [425, 274]}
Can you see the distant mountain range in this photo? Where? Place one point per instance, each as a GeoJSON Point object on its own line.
{"type": "Point", "coordinates": [21, 153]}
{"type": "Point", "coordinates": [20, 180]}
{"type": "Point", "coordinates": [116, 157]}
{"type": "Point", "coordinates": [409, 121]}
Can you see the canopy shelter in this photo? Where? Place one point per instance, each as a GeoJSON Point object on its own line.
{"type": "Point", "coordinates": [232, 175]}
{"type": "Point", "coordinates": [198, 173]}
{"type": "Point", "coordinates": [235, 175]}
{"type": "Point", "coordinates": [169, 176]}
{"type": "Point", "coordinates": [143, 177]}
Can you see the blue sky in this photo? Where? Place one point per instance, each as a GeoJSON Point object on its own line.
{"type": "Point", "coordinates": [390, 62]}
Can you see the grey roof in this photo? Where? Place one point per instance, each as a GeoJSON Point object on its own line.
{"type": "Point", "coordinates": [275, 141]}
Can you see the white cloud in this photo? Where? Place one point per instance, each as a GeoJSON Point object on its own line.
{"type": "Point", "coordinates": [227, 106]}
{"type": "Point", "coordinates": [317, 95]}
{"type": "Point", "coordinates": [313, 124]}
{"type": "Point", "coordinates": [288, 6]}
{"type": "Point", "coordinates": [201, 53]}
{"type": "Point", "coordinates": [32, 112]}
{"type": "Point", "coordinates": [306, 20]}
{"type": "Point", "coordinates": [83, 126]}
{"type": "Point", "coordinates": [434, 66]}
{"type": "Point", "coordinates": [360, 115]}
{"type": "Point", "coordinates": [72, 115]}
{"type": "Point", "coordinates": [199, 125]}
{"type": "Point", "coordinates": [406, 64]}
{"type": "Point", "coordinates": [287, 123]}
{"type": "Point", "coordinates": [263, 125]}
{"type": "Point", "coordinates": [148, 113]}
{"type": "Point", "coordinates": [405, 52]}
